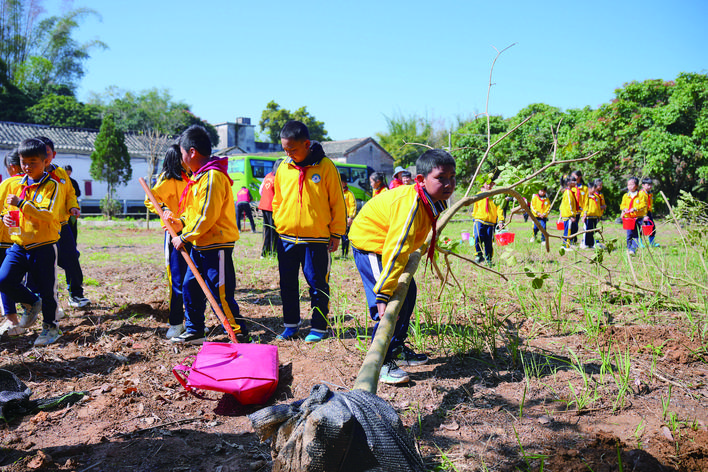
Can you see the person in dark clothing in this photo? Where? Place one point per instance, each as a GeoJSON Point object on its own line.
{"type": "Point", "coordinates": [73, 223]}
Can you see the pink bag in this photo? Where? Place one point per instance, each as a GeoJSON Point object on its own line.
{"type": "Point", "coordinates": [249, 372]}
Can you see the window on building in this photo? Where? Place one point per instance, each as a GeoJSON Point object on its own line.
{"type": "Point", "coordinates": [87, 188]}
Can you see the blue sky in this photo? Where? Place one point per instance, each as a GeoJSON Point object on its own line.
{"type": "Point", "coordinates": [354, 63]}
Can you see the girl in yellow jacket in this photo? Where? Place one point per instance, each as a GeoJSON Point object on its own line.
{"type": "Point", "coordinates": [169, 188]}
{"type": "Point", "coordinates": [378, 183]}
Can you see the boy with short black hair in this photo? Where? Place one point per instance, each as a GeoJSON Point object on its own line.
{"type": "Point", "coordinates": [384, 234]}
{"type": "Point", "coordinates": [66, 206]}
{"type": "Point", "coordinates": [310, 216]}
{"type": "Point", "coordinates": [34, 251]}
{"type": "Point", "coordinates": [208, 221]}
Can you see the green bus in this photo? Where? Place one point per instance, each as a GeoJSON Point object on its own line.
{"type": "Point", "coordinates": [249, 171]}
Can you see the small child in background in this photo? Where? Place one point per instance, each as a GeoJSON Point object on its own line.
{"type": "Point", "coordinates": [634, 205]}
{"type": "Point", "coordinates": [270, 236]}
{"type": "Point", "coordinates": [485, 215]}
{"type": "Point", "coordinates": [208, 222]}
{"type": "Point", "coordinates": [406, 178]}
{"type": "Point", "coordinates": [598, 191]}
{"type": "Point", "coordinates": [378, 183]}
{"type": "Point", "coordinates": [540, 207]}
{"type": "Point", "coordinates": [396, 180]}
{"type": "Point", "coordinates": [243, 208]}
{"type": "Point", "coordinates": [647, 184]}
{"type": "Point", "coordinates": [167, 191]}
{"type": "Point", "coordinates": [591, 214]}
{"type": "Point", "coordinates": [34, 252]}
{"type": "Point", "coordinates": [384, 234]}
{"type": "Point", "coordinates": [350, 203]}
{"type": "Point", "coordinates": [569, 211]}
{"type": "Point", "coordinates": [9, 308]}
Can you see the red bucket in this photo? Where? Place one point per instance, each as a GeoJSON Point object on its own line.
{"type": "Point", "coordinates": [629, 223]}
{"type": "Point", "coordinates": [647, 230]}
{"type": "Point", "coordinates": [560, 226]}
{"type": "Point", "coordinates": [504, 238]}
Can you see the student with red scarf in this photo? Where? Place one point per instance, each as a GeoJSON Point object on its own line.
{"type": "Point", "coordinates": [384, 234]}
{"type": "Point", "coordinates": [208, 222]}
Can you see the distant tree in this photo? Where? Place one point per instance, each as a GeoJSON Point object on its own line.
{"type": "Point", "coordinates": [273, 118]}
{"type": "Point", "coordinates": [110, 162]}
{"type": "Point", "coordinates": [402, 130]}
{"type": "Point", "coordinates": [151, 109]}
{"type": "Point", "coordinates": [656, 129]}
{"type": "Point", "coordinates": [42, 52]}
{"type": "Point", "coordinates": [61, 110]}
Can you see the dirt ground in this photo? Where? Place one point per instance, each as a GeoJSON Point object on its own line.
{"type": "Point", "coordinates": [466, 413]}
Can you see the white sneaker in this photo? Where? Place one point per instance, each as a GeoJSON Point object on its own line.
{"type": "Point", "coordinates": [60, 314]}
{"type": "Point", "coordinates": [392, 374]}
{"type": "Point", "coordinates": [31, 313]}
{"type": "Point", "coordinates": [78, 302]}
{"type": "Point", "coordinates": [11, 329]}
{"type": "Point", "coordinates": [174, 330]}
{"type": "Point", "coordinates": [49, 335]}
{"type": "Point", "coordinates": [532, 240]}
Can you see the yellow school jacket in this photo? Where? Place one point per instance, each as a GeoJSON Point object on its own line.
{"type": "Point", "coordinates": [167, 192]}
{"type": "Point", "coordinates": [379, 191]}
{"type": "Point", "coordinates": [39, 223]}
{"type": "Point", "coordinates": [486, 211]}
{"type": "Point", "coordinates": [636, 204]}
{"type": "Point", "coordinates": [569, 204]}
{"type": "Point", "coordinates": [209, 217]}
{"type": "Point", "coordinates": [5, 240]}
{"type": "Point", "coordinates": [649, 197]}
{"type": "Point", "coordinates": [318, 212]}
{"type": "Point", "coordinates": [540, 206]}
{"type": "Point", "coordinates": [593, 206]}
{"type": "Point", "coordinates": [581, 195]}
{"type": "Point", "coordinates": [66, 200]}
{"type": "Point", "coordinates": [350, 202]}
{"type": "Point", "coordinates": [394, 224]}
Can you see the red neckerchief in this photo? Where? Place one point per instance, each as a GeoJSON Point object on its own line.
{"type": "Point", "coordinates": [216, 163]}
{"type": "Point", "coordinates": [631, 202]}
{"type": "Point", "coordinates": [429, 210]}
{"type": "Point", "coordinates": [486, 201]}
{"type": "Point", "coordinates": [183, 197]}
{"type": "Point", "coordinates": [25, 187]}
{"type": "Point", "coordinates": [574, 203]}
{"type": "Point", "coordinates": [300, 179]}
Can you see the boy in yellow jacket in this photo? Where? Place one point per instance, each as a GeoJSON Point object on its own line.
{"type": "Point", "coordinates": [634, 205]}
{"type": "Point", "coordinates": [540, 207]}
{"type": "Point", "coordinates": [34, 251]}
{"type": "Point", "coordinates": [66, 207]}
{"type": "Point", "coordinates": [310, 216]}
{"type": "Point", "coordinates": [384, 234]}
{"type": "Point", "coordinates": [208, 222]}
{"type": "Point", "coordinates": [485, 215]}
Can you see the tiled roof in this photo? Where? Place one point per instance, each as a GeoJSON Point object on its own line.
{"type": "Point", "coordinates": [337, 149]}
{"type": "Point", "coordinates": [73, 140]}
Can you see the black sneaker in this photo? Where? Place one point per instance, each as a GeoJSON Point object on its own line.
{"type": "Point", "coordinates": [189, 338]}
{"type": "Point", "coordinates": [406, 356]}
{"type": "Point", "coordinates": [392, 374]}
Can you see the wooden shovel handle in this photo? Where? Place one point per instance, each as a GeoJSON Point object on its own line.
{"type": "Point", "coordinates": [205, 288]}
